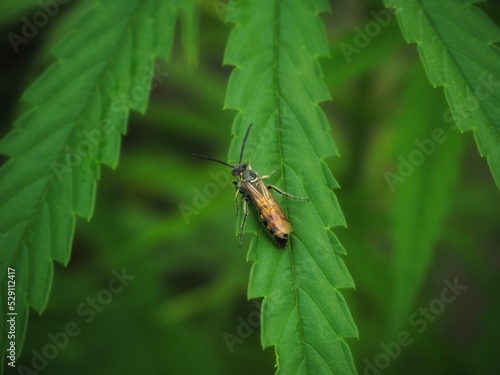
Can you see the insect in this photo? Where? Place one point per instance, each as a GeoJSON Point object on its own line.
{"type": "Point", "coordinates": [251, 187]}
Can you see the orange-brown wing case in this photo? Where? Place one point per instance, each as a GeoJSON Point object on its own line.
{"type": "Point", "coordinates": [270, 212]}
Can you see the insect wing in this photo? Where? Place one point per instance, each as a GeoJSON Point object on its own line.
{"type": "Point", "coordinates": [270, 212]}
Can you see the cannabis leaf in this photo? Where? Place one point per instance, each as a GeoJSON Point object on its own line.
{"type": "Point", "coordinates": [456, 42]}
{"type": "Point", "coordinates": [277, 86]}
{"type": "Point", "coordinates": [77, 112]}
{"type": "Point", "coordinates": [423, 194]}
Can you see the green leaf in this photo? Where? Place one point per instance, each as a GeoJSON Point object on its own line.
{"type": "Point", "coordinates": [277, 86]}
{"type": "Point", "coordinates": [456, 42]}
{"type": "Point", "coordinates": [77, 112]}
{"type": "Point", "coordinates": [427, 159]}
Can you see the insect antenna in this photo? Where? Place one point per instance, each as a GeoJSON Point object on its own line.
{"type": "Point", "coordinates": [244, 141]}
{"type": "Point", "coordinates": [212, 159]}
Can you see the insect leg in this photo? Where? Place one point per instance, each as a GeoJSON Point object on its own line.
{"type": "Point", "coordinates": [236, 197]}
{"type": "Point", "coordinates": [270, 174]}
{"type": "Point", "coordinates": [281, 192]}
{"type": "Point", "coordinates": [245, 214]}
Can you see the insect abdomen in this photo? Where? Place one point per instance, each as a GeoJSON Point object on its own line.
{"type": "Point", "coordinates": [277, 225]}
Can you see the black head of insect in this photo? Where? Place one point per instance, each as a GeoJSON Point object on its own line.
{"type": "Point", "coordinates": [239, 168]}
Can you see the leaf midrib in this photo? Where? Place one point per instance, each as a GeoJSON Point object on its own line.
{"type": "Point", "coordinates": [276, 38]}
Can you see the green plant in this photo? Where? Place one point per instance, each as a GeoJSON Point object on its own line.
{"type": "Point", "coordinates": [75, 113]}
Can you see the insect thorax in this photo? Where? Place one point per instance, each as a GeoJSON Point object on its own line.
{"type": "Point", "coordinates": [249, 176]}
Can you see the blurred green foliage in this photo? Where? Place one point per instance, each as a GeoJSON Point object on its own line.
{"type": "Point", "coordinates": [190, 278]}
